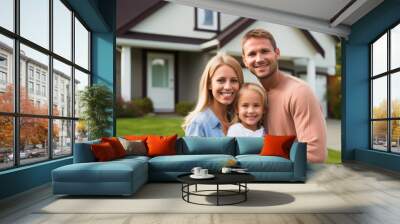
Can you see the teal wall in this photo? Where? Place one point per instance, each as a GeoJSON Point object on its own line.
{"type": "Point", "coordinates": [99, 15]}
{"type": "Point", "coordinates": [355, 86]}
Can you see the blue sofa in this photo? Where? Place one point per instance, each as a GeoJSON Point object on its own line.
{"type": "Point", "coordinates": [125, 176]}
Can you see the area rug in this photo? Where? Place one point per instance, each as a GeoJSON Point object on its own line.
{"type": "Point", "coordinates": [166, 198]}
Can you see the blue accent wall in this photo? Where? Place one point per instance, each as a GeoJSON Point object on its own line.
{"type": "Point", "coordinates": [24, 178]}
{"type": "Point", "coordinates": [355, 86]}
{"type": "Point", "coordinates": [99, 16]}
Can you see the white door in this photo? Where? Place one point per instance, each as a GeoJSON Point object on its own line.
{"type": "Point", "coordinates": [160, 81]}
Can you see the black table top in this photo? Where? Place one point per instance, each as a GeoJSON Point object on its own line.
{"type": "Point", "coordinates": [220, 178]}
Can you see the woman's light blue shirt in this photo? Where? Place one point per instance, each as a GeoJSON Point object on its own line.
{"type": "Point", "coordinates": [205, 124]}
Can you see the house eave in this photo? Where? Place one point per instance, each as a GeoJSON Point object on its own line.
{"type": "Point", "coordinates": [158, 45]}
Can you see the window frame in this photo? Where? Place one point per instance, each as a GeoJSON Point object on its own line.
{"type": "Point", "coordinates": [16, 62]}
{"type": "Point", "coordinates": [388, 74]}
{"type": "Point", "coordinates": [199, 28]}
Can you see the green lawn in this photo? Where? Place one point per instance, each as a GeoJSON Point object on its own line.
{"type": "Point", "coordinates": [155, 125]}
{"type": "Point", "coordinates": [160, 125]}
{"type": "Point", "coordinates": [334, 157]}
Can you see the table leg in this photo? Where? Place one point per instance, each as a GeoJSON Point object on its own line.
{"type": "Point", "coordinates": [217, 194]}
{"type": "Point", "coordinates": [245, 191]}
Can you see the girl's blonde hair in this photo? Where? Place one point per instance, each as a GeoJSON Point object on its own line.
{"type": "Point", "coordinates": [205, 94]}
{"type": "Point", "coordinates": [246, 87]}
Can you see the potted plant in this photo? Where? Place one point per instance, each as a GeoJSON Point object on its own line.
{"type": "Point", "coordinates": [96, 104]}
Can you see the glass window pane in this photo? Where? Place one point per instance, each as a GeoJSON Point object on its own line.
{"type": "Point", "coordinates": [395, 47]}
{"type": "Point", "coordinates": [81, 131]}
{"type": "Point", "coordinates": [62, 29]}
{"type": "Point", "coordinates": [379, 97]}
{"type": "Point", "coordinates": [34, 66]}
{"type": "Point", "coordinates": [379, 135]}
{"type": "Point", "coordinates": [159, 70]}
{"type": "Point", "coordinates": [6, 142]}
{"type": "Point", "coordinates": [6, 74]}
{"type": "Point", "coordinates": [81, 81]}
{"type": "Point", "coordinates": [208, 17]}
{"type": "Point", "coordinates": [62, 138]}
{"type": "Point", "coordinates": [33, 139]}
{"type": "Point", "coordinates": [7, 14]}
{"type": "Point", "coordinates": [62, 89]}
{"type": "Point", "coordinates": [395, 94]}
{"type": "Point", "coordinates": [81, 45]}
{"type": "Point", "coordinates": [395, 136]}
{"type": "Point", "coordinates": [379, 55]}
{"type": "Point", "coordinates": [35, 21]}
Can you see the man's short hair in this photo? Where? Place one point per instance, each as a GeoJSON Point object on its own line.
{"type": "Point", "coordinates": [258, 33]}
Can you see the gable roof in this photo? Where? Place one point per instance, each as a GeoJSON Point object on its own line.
{"type": "Point", "coordinates": [130, 13]}
{"type": "Point", "coordinates": [222, 38]}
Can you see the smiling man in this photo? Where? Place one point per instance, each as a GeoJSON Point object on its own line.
{"type": "Point", "coordinates": [293, 108]}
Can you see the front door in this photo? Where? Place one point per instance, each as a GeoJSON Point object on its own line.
{"type": "Point", "coordinates": [160, 81]}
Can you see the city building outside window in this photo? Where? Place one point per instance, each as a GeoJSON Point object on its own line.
{"type": "Point", "coordinates": [56, 128]}
{"type": "Point", "coordinates": [385, 97]}
{"type": "Point", "coordinates": [30, 87]}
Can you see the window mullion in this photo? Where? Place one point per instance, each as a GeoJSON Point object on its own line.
{"type": "Point", "coordinates": [73, 81]}
{"type": "Point", "coordinates": [50, 81]}
{"type": "Point", "coordinates": [389, 94]}
{"type": "Point", "coordinates": [16, 84]}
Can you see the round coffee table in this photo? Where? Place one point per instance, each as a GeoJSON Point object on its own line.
{"type": "Point", "coordinates": [238, 179]}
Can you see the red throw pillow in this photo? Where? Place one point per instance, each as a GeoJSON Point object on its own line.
{"type": "Point", "coordinates": [277, 145]}
{"type": "Point", "coordinates": [161, 145]}
{"type": "Point", "coordinates": [103, 151]}
{"type": "Point", "coordinates": [116, 145]}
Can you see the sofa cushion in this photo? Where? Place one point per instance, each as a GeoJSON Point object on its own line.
{"type": "Point", "coordinates": [134, 147]}
{"type": "Point", "coordinates": [98, 172]}
{"type": "Point", "coordinates": [257, 163]}
{"type": "Point", "coordinates": [161, 145]}
{"type": "Point", "coordinates": [249, 145]}
{"type": "Point", "coordinates": [103, 152]}
{"type": "Point", "coordinates": [209, 145]}
{"type": "Point", "coordinates": [277, 145]}
{"type": "Point", "coordinates": [83, 152]}
{"type": "Point", "coordinates": [185, 163]}
{"type": "Point", "coordinates": [116, 145]}
{"type": "Point", "coordinates": [131, 158]}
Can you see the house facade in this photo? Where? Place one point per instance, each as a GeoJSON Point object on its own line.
{"type": "Point", "coordinates": [163, 59]}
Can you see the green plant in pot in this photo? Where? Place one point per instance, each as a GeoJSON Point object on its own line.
{"type": "Point", "coordinates": [96, 104]}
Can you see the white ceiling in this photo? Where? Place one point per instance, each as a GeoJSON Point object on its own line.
{"type": "Point", "coordinates": [316, 15]}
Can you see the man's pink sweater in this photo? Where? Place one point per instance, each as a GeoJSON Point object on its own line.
{"type": "Point", "coordinates": [293, 109]}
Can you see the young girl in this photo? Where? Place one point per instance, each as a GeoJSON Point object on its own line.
{"type": "Point", "coordinates": [249, 108]}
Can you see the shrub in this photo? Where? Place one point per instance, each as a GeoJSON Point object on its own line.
{"type": "Point", "coordinates": [144, 104]}
{"type": "Point", "coordinates": [183, 108]}
{"type": "Point", "coordinates": [96, 104]}
{"type": "Point", "coordinates": [127, 109]}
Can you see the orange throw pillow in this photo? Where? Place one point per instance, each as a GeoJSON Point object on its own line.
{"type": "Point", "coordinates": [161, 145]}
{"type": "Point", "coordinates": [116, 145]}
{"type": "Point", "coordinates": [277, 145]}
{"type": "Point", "coordinates": [103, 152]}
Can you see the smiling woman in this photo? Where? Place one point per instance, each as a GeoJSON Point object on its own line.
{"type": "Point", "coordinates": [219, 84]}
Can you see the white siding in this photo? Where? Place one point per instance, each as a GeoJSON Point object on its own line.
{"type": "Point", "coordinates": [172, 19]}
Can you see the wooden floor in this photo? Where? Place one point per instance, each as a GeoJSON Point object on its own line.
{"type": "Point", "coordinates": [378, 189]}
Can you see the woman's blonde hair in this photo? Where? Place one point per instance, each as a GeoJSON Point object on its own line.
{"type": "Point", "coordinates": [252, 87]}
{"type": "Point", "coordinates": [205, 94]}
